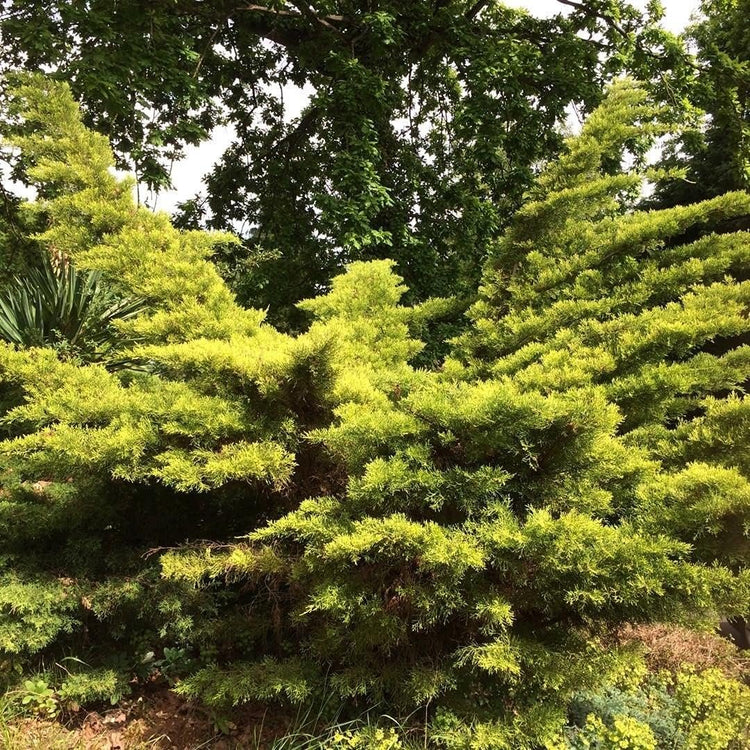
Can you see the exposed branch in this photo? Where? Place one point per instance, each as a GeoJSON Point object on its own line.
{"type": "Point", "coordinates": [476, 9]}
{"type": "Point", "coordinates": [305, 11]}
{"type": "Point", "coordinates": [286, 27]}
{"type": "Point", "coordinates": [326, 22]}
{"type": "Point", "coordinates": [269, 11]}
{"type": "Point", "coordinates": [593, 14]}
{"type": "Point", "coordinates": [261, 22]}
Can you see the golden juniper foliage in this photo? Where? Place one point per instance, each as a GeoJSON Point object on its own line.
{"type": "Point", "coordinates": [463, 538]}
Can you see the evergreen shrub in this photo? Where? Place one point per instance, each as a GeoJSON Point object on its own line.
{"type": "Point", "coordinates": [313, 512]}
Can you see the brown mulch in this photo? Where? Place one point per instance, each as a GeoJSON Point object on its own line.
{"type": "Point", "coordinates": [671, 647]}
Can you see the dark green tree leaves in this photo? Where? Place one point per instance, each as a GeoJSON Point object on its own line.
{"type": "Point", "coordinates": [423, 126]}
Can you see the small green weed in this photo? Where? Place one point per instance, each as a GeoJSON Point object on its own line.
{"type": "Point", "coordinates": [39, 698]}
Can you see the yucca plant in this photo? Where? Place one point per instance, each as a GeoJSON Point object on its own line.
{"type": "Point", "coordinates": [55, 305]}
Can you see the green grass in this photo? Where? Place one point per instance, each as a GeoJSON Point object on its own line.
{"type": "Point", "coordinates": [314, 729]}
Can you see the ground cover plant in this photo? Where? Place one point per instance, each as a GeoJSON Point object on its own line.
{"type": "Point", "coordinates": [256, 516]}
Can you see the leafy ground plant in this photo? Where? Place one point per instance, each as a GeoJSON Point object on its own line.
{"type": "Point", "coordinates": [686, 711]}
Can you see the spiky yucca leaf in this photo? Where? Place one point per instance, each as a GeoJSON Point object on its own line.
{"type": "Point", "coordinates": [56, 305]}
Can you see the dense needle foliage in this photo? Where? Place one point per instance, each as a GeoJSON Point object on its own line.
{"type": "Point", "coordinates": [464, 540]}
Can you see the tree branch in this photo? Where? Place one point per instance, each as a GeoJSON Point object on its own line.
{"type": "Point", "coordinates": [621, 30]}
{"type": "Point", "coordinates": [475, 9]}
{"type": "Point", "coordinates": [326, 22]}
{"type": "Point", "coordinates": [305, 11]}
{"type": "Point", "coordinates": [269, 11]}
{"type": "Point", "coordinates": [588, 12]}
{"type": "Point", "coordinates": [286, 27]}
{"type": "Point", "coordinates": [263, 25]}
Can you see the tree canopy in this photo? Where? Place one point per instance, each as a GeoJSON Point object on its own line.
{"type": "Point", "coordinates": [424, 123]}
{"type": "Point", "coordinates": [715, 154]}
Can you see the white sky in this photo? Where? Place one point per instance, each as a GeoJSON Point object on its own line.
{"type": "Point", "coordinates": [677, 15]}
{"type": "Point", "coordinates": [188, 173]}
